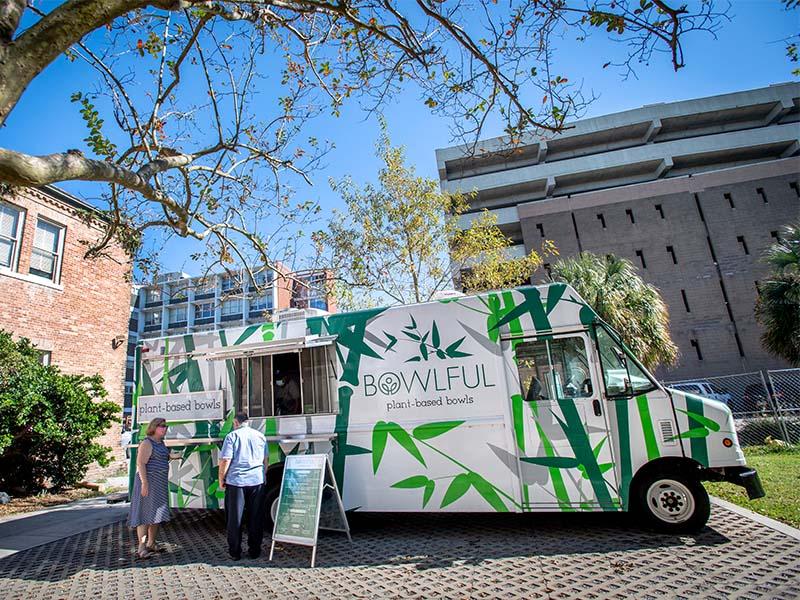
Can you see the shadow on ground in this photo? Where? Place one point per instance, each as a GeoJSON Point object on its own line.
{"type": "Point", "coordinates": [422, 540]}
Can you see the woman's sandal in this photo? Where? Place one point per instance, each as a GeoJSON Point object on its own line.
{"type": "Point", "coordinates": [143, 555]}
{"type": "Point", "coordinates": [157, 549]}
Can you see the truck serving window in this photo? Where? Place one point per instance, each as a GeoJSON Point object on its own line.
{"type": "Point", "coordinates": [551, 369]}
{"type": "Point", "coordinates": [285, 384]}
{"type": "Point", "coordinates": [621, 374]}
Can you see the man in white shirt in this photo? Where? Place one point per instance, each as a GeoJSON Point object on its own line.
{"type": "Point", "coordinates": [242, 463]}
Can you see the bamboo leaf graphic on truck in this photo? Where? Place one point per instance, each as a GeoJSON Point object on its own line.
{"type": "Point", "coordinates": [428, 344]}
{"type": "Point", "coordinates": [461, 482]}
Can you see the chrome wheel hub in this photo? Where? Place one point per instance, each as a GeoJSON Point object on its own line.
{"type": "Point", "coordinates": [671, 501]}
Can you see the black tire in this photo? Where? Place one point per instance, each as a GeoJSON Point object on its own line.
{"type": "Point", "coordinates": [273, 491]}
{"type": "Point", "coordinates": [672, 502]}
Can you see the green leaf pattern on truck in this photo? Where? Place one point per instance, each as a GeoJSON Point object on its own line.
{"type": "Point", "coordinates": [461, 482]}
{"type": "Point", "coordinates": [428, 344]}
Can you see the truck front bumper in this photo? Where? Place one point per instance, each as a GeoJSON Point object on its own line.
{"type": "Point", "coordinates": [743, 476]}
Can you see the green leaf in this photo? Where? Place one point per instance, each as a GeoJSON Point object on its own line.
{"type": "Point", "coordinates": [697, 432]}
{"type": "Point", "coordinates": [351, 450]}
{"type": "Point", "coordinates": [401, 436]}
{"type": "Point", "coordinates": [441, 354]}
{"type": "Point", "coordinates": [413, 322]}
{"type": "Point", "coordinates": [379, 436]}
{"type": "Point", "coordinates": [704, 421]}
{"type": "Point", "coordinates": [557, 462]}
{"type": "Point", "coordinates": [454, 346]}
{"type": "Point", "coordinates": [487, 492]}
{"type": "Point", "coordinates": [432, 430]}
{"type": "Point", "coordinates": [431, 485]}
{"type": "Point", "coordinates": [392, 341]}
{"type": "Point", "coordinates": [435, 340]}
{"type": "Point", "coordinates": [599, 447]}
{"type": "Point", "coordinates": [416, 481]}
{"type": "Point", "coordinates": [423, 350]}
{"type": "Point", "coordinates": [457, 488]}
{"type": "Point", "coordinates": [414, 359]}
{"type": "Point", "coordinates": [413, 336]}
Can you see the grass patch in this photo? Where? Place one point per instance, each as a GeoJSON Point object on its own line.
{"type": "Point", "coordinates": [36, 502]}
{"type": "Point", "coordinates": [779, 470]}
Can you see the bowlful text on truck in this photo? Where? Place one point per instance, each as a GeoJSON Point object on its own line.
{"type": "Point", "coordinates": [510, 401]}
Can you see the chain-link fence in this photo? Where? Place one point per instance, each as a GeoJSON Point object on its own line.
{"type": "Point", "coordinates": [764, 404]}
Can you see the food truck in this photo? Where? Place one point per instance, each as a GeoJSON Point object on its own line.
{"type": "Point", "coordinates": [520, 400]}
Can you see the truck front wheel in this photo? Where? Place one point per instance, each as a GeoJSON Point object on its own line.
{"type": "Point", "coordinates": [672, 502]}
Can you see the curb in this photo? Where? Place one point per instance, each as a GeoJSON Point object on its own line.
{"type": "Point", "coordinates": [783, 528]}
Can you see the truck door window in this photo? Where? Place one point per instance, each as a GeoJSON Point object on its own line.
{"type": "Point", "coordinates": [319, 380]}
{"type": "Point", "coordinates": [553, 369]}
{"type": "Point", "coordinates": [570, 368]}
{"type": "Point", "coordinates": [621, 374]}
{"type": "Point", "coordinates": [533, 368]}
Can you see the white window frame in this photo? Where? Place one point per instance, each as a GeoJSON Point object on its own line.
{"type": "Point", "coordinates": [156, 320]}
{"type": "Point", "coordinates": [22, 213]}
{"type": "Point", "coordinates": [173, 311]}
{"type": "Point", "coordinates": [59, 254]}
{"type": "Point", "coordinates": [230, 302]}
{"type": "Point", "coordinates": [153, 295]}
{"type": "Point", "coordinates": [198, 310]}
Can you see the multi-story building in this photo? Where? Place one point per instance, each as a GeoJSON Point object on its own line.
{"type": "Point", "coordinates": [74, 309]}
{"type": "Point", "coordinates": [178, 303]}
{"type": "Point", "coordinates": [691, 192]}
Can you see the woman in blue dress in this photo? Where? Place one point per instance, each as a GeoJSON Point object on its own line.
{"type": "Point", "coordinates": [150, 497]}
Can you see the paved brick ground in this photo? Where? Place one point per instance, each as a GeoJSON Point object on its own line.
{"type": "Point", "coordinates": [404, 556]}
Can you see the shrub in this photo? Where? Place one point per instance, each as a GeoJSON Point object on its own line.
{"type": "Point", "coordinates": [755, 432]}
{"type": "Point", "coordinates": [48, 421]}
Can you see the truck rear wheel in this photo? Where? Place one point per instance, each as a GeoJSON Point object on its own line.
{"type": "Point", "coordinates": [271, 502]}
{"type": "Point", "coordinates": [672, 502]}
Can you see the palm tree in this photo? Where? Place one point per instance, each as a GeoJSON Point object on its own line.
{"type": "Point", "coordinates": [621, 297]}
{"type": "Point", "coordinates": [778, 305]}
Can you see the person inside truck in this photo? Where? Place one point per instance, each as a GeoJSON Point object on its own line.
{"type": "Point", "coordinates": [287, 393]}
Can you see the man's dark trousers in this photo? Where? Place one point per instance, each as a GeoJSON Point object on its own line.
{"type": "Point", "coordinates": [245, 500]}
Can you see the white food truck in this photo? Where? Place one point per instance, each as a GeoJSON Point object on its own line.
{"type": "Point", "coordinates": [511, 401]}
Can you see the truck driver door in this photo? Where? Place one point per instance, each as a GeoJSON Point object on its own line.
{"type": "Point", "coordinates": [561, 433]}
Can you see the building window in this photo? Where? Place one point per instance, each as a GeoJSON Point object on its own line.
{"type": "Point", "coordinates": [230, 285]}
{"type": "Point", "coordinates": [629, 212]}
{"type": "Point", "coordinates": [762, 195]}
{"type": "Point", "coordinates": [178, 292]}
{"type": "Point", "coordinates": [232, 307]}
{"type": "Point", "coordinates": [45, 357]}
{"type": "Point", "coordinates": [152, 320]}
{"type": "Point", "coordinates": [261, 303]}
{"type": "Point", "coordinates": [46, 253]}
{"type": "Point", "coordinates": [685, 301]}
{"type": "Point", "coordinates": [671, 252]}
{"type": "Point", "coordinates": [540, 227]}
{"type": "Point", "coordinates": [204, 310]}
{"type": "Point", "coordinates": [729, 198]}
{"type": "Point", "coordinates": [740, 239]}
{"type": "Point", "coordinates": [696, 345]}
{"type": "Point", "coordinates": [177, 316]}
{"type": "Point", "coordinates": [660, 210]}
{"type": "Point", "coordinates": [640, 256]}
{"type": "Point", "coordinates": [204, 287]}
{"type": "Point", "coordinates": [153, 295]}
{"type": "Point", "coordinates": [602, 220]}
{"type": "Point", "coordinates": [11, 219]}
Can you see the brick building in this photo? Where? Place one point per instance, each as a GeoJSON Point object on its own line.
{"type": "Point", "coordinates": [75, 310]}
{"type": "Point", "coordinates": [691, 192]}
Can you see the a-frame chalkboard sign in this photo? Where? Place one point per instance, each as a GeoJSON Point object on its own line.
{"type": "Point", "coordinates": [309, 501]}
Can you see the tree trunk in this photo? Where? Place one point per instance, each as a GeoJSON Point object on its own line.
{"type": "Point", "coordinates": [23, 58]}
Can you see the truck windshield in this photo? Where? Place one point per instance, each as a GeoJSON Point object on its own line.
{"type": "Point", "coordinates": [621, 374]}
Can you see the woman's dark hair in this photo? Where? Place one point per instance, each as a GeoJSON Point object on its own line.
{"type": "Point", "coordinates": [241, 417]}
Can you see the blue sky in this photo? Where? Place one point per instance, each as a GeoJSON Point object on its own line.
{"type": "Point", "coordinates": [747, 54]}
